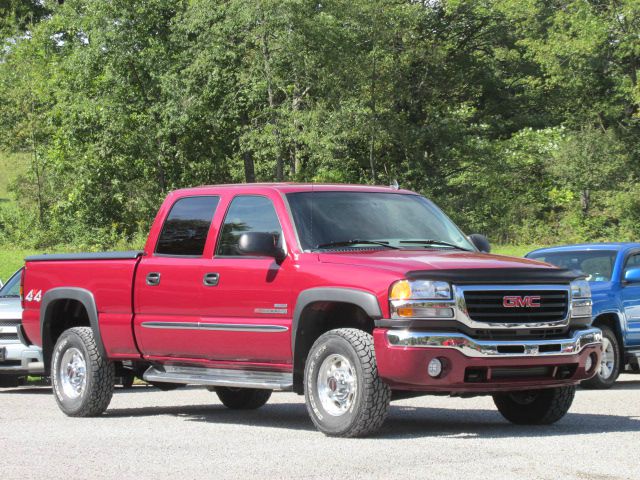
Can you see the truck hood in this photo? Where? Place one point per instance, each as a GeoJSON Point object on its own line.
{"type": "Point", "coordinates": [410, 260]}
{"type": "Point", "coordinates": [10, 308]}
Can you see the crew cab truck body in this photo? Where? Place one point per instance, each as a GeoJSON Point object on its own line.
{"type": "Point", "coordinates": [347, 294]}
{"type": "Point", "coordinates": [613, 272]}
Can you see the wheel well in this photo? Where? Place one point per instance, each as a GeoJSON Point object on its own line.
{"type": "Point", "coordinates": [61, 315]}
{"type": "Point", "coordinates": [318, 318]}
{"type": "Point", "coordinates": [612, 321]}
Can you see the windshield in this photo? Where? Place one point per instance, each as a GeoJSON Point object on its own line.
{"type": "Point", "coordinates": [597, 265]}
{"type": "Point", "coordinates": [12, 287]}
{"type": "Point", "coordinates": [366, 219]}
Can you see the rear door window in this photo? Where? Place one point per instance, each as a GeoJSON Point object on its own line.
{"type": "Point", "coordinates": [186, 227]}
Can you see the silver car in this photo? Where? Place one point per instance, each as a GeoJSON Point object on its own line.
{"type": "Point", "coordinates": [17, 360]}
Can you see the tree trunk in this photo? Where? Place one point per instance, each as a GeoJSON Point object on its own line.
{"type": "Point", "coordinates": [585, 200]}
{"type": "Point", "coordinates": [372, 161]}
{"type": "Point", "coordinates": [249, 168]}
{"type": "Point", "coordinates": [266, 57]}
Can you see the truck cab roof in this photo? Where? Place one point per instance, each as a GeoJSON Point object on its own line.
{"type": "Point", "coordinates": [287, 187]}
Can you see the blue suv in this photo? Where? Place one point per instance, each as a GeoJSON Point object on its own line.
{"type": "Point", "coordinates": [613, 272]}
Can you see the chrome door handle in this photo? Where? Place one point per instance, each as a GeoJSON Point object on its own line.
{"type": "Point", "coordinates": [211, 279]}
{"type": "Point", "coordinates": [153, 279]}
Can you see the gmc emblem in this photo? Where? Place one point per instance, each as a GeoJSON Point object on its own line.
{"type": "Point", "coordinates": [515, 301]}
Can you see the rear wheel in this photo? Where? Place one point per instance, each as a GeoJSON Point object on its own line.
{"type": "Point", "coordinates": [535, 407]}
{"type": "Point", "coordinates": [242, 398]}
{"type": "Point", "coordinates": [9, 381]}
{"type": "Point", "coordinates": [82, 378]}
{"type": "Point", "coordinates": [165, 386]}
{"type": "Point", "coordinates": [127, 379]}
{"type": "Point", "coordinates": [610, 363]}
{"type": "Point", "coordinates": [345, 397]}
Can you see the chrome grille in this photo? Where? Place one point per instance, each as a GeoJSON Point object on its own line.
{"type": "Point", "coordinates": [9, 323]}
{"type": "Point", "coordinates": [9, 336]}
{"type": "Point", "coordinates": [487, 306]}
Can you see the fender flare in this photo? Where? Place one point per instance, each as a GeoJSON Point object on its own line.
{"type": "Point", "coordinates": [622, 322]}
{"type": "Point", "coordinates": [85, 297]}
{"type": "Point", "coordinates": [365, 300]}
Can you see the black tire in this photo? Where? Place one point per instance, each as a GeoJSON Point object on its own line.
{"type": "Point", "coordinates": [10, 381]}
{"type": "Point", "coordinates": [165, 386]}
{"type": "Point", "coordinates": [367, 404]}
{"type": "Point", "coordinates": [535, 407]}
{"type": "Point", "coordinates": [242, 398]}
{"type": "Point", "coordinates": [600, 381]}
{"type": "Point", "coordinates": [127, 379]}
{"type": "Point", "coordinates": [95, 393]}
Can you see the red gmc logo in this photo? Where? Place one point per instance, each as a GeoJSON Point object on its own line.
{"type": "Point", "coordinates": [516, 301]}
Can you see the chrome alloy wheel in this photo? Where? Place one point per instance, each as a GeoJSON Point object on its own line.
{"type": "Point", "coordinates": [337, 385]}
{"type": "Point", "coordinates": [608, 361]}
{"type": "Point", "coordinates": [73, 373]}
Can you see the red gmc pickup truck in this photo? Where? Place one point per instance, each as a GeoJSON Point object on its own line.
{"type": "Point", "coordinates": [350, 295]}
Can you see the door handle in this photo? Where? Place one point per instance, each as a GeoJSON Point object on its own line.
{"type": "Point", "coordinates": [153, 279]}
{"type": "Point", "coordinates": [211, 279]}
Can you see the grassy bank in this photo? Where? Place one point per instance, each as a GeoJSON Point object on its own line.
{"type": "Point", "coordinates": [13, 258]}
{"type": "Point", "coordinates": [11, 165]}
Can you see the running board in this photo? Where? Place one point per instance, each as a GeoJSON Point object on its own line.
{"type": "Point", "coordinates": [220, 377]}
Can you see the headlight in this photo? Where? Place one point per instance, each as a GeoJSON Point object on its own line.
{"type": "Point", "coordinates": [420, 290]}
{"type": "Point", "coordinates": [420, 299]}
{"type": "Point", "coordinates": [580, 299]}
{"type": "Point", "coordinates": [580, 289]}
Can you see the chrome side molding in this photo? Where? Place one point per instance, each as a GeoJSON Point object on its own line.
{"type": "Point", "coordinates": [220, 377]}
{"type": "Point", "coordinates": [229, 327]}
{"type": "Point", "coordinates": [490, 348]}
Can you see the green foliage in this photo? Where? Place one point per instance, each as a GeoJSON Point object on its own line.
{"type": "Point", "coordinates": [519, 117]}
{"type": "Point", "coordinates": [11, 259]}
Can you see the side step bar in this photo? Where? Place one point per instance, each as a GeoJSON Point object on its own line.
{"type": "Point", "coordinates": [220, 377]}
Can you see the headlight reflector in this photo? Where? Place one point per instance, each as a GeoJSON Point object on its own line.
{"type": "Point", "coordinates": [421, 299]}
{"type": "Point", "coordinates": [580, 289]}
{"type": "Point", "coordinates": [420, 290]}
{"type": "Point", "coordinates": [581, 304]}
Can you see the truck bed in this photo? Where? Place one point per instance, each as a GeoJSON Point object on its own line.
{"type": "Point", "coordinates": [107, 276]}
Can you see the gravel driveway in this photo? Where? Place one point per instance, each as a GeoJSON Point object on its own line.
{"type": "Point", "coordinates": [188, 434]}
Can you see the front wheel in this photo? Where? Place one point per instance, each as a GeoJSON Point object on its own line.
{"type": "Point", "coordinates": [82, 378]}
{"type": "Point", "coordinates": [535, 407]}
{"type": "Point", "coordinates": [610, 363]}
{"type": "Point", "coordinates": [344, 395]}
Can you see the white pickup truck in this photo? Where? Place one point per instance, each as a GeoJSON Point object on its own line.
{"type": "Point", "coordinates": [17, 359]}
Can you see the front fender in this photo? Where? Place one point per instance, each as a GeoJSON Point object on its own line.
{"type": "Point", "coordinates": [363, 299]}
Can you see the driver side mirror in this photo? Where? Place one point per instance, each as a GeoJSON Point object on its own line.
{"type": "Point", "coordinates": [481, 242]}
{"type": "Point", "coordinates": [632, 275]}
{"type": "Point", "coordinates": [261, 244]}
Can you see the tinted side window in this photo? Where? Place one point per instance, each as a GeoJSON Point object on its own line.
{"type": "Point", "coordinates": [633, 261]}
{"type": "Point", "coordinates": [247, 214]}
{"type": "Point", "coordinates": [12, 287]}
{"type": "Point", "coordinates": [185, 230]}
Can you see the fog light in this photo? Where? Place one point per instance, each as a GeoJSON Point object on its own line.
{"type": "Point", "coordinates": [435, 367]}
{"type": "Point", "coordinates": [588, 364]}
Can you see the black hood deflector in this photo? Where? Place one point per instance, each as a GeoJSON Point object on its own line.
{"type": "Point", "coordinates": [502, 276]}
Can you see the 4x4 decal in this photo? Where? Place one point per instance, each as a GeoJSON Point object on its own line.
{"type": "Point", "coordinates": [34, 296]}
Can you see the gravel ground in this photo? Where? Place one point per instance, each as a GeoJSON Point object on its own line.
{"type": "Point", "coordinates": [188, 434]}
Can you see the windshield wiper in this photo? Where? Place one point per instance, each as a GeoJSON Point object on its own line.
{"type": "Point", "coordinates": [346, 243]}
{"type": "Point", "coordinates": [435, 242]}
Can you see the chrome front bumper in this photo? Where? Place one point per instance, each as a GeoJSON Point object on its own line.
{"type": "Point", "coordinates": [495, 348]}
{"type": "Point", "coordinates": [22, 360]}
